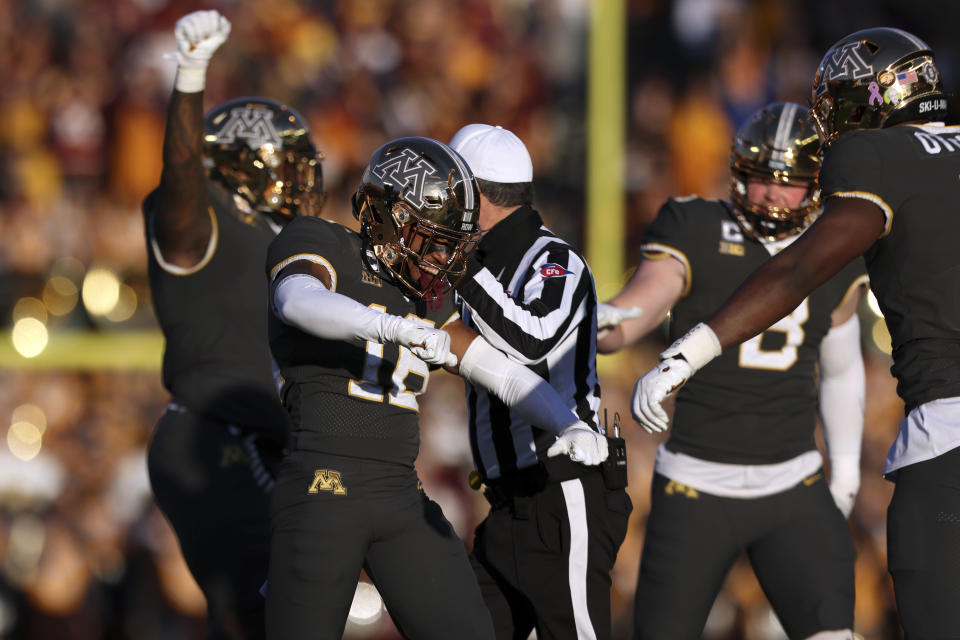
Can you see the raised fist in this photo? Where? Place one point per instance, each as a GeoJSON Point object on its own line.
{"type": "Point", "coordinates": [429, 344]}
{"type": "Point", "coordinates": [198, 35]}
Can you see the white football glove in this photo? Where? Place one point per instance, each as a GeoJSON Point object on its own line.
{"type": "Point", "coordinates": [678, 362]}
{"type": "Point", "coordinates": [198, 35]}
{"type": "Point", "coordinates": [844, 481]}
{"type": "Point", "coordinates": [844, 492]}
{"type": "Point", "coordinates": [653, 388]}
{"type": "Point", "coordinates": [581, 444]}
{"type": "Point", "coordinates": [429, 344]}
{"type": "Point", "coordinates": [609, 316]}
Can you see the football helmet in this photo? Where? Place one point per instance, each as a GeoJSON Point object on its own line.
{"type": "Point", "coordinates": [418, 204]}
{"type": "Point", "coordinates": [261, 150]}
{"type": "Point", "coordinates": [876, 78]}
{"type": "Point", "coordinates": [777, 144]}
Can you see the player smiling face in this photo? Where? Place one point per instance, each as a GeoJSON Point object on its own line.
{"type": "Point", "coordinates": [432, 258]}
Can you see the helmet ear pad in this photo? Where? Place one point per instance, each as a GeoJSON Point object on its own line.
{"type": "Point", "coordinates": [418, 205]}
{"type": "Point", "coordinates": [261, 150]}
{"type": "Point", "coordinates": [779, 145]}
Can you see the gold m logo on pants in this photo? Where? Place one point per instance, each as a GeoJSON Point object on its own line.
{"type": "Point", "coordinates": [327, 480]}
{"type": "Point", "coordinates": [674, 487]}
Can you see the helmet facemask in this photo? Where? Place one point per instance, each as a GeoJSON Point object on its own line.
{"type": "Point", "coordinates": [767, 221]}
{"type": "Point", "coordinates": [426, 258]}
{"type": "Point", "coordinates": [777, 145]}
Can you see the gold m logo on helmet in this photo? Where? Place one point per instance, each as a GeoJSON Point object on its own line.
{"type": "Point", "coordinates": [847, 62]}
{"type": "Point", "coordinates": [408, 172]}
{"type": "Point", "coordinates": [327, 480]}
{"type": "Point", "coordinates": [248, 123]}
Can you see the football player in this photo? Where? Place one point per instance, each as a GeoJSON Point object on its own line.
{"type": "Point", "coordinates": [741, 471]}
{"type": "Point", "coordinates": [890, 181]}
{"type": "Point", "coordinates": [230, 181]}
{"type": "Point", "coordinates": [358, 320]}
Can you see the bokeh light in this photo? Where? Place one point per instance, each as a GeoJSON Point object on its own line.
{"type": "Point", "coordinates": [873, 304]}
{"type": "Point", "coordinates": [60, 295]}
{"type": "Point", "coordinates": [126, 304]}
{"type": "Point", "coordinates": [68, 267]}
{"type": "Point", "coordinates": [29, 308]}
{"type": "Point", "coordinates": [30, 413]}
{"type": "Point", "coordinates": [101, 291]}
{"type": "Point", "coordinates": [29, 337]}
{"type": "Point", "coordinates": [881, 336]}
{"type": "Point", "coordinates": [25, 440]}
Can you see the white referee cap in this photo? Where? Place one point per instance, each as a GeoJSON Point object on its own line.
{"type": "Point", "coordinates": [493, 153]}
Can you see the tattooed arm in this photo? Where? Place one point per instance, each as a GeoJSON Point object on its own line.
{"type": "Point", "coordinates": [181, 223]}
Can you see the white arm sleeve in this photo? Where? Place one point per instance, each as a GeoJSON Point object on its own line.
{"type": "Point", "coordinates": [842, 397]}
{"type": "Point", "coordinates": [302, 301]}
{"type": "Point", "coordinates": [518, 387]}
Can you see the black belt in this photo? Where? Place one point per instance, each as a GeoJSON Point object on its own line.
{"type": "Point", "coordinates": [529, 481]}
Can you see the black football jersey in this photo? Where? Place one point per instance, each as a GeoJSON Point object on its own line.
{"type": "Point", "coordinates": [913, 174]}
{"type": "Point", "coordinates": [351, 398]}
{"type": "Point", "coordinates": [216, 360]}
{"type": "Point", "coordinates": [756, 403]}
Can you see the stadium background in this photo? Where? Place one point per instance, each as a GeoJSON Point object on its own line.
{"type": "Point", "coordinates": [83, 552]}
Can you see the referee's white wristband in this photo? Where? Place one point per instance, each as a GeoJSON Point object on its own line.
{"type": "Point", "coordinates": [697, 346]}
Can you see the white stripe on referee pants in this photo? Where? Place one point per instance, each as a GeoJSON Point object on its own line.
{"type": "Point", "coordinates": [577, 563]}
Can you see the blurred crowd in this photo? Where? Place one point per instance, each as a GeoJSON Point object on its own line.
{"type": "Point", "coordinates": [83, 552]}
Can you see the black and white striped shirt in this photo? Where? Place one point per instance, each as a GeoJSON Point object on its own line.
{"type": "Point", "coordinates": [533, 297]}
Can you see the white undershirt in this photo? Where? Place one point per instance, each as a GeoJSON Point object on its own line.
{"type": "Point", "coordinates": [736, 480]}
{"type": "Point", "coordinates": [928, 431]}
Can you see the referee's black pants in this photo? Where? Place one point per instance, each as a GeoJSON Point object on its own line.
{"type": "Point", "coordinates": [544, 560]}
{"type": "Point", "coordinates": [212, 483]}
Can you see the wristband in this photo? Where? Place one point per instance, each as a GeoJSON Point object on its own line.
{"type": "Point", "coordinates": [191, 79]}
{"type": "Point", "coordinates": [698, 347]}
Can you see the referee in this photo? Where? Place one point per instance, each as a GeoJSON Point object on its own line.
{"type": "Point", "coordinates": [544, 552]}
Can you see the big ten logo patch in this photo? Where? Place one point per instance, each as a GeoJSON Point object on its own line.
{"type": "Point", "coordinates": [675, 488]}
{"type": "Point", "coordinates": [731, 238]}
{"type": "Point", "coordinates": [327, 480]}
